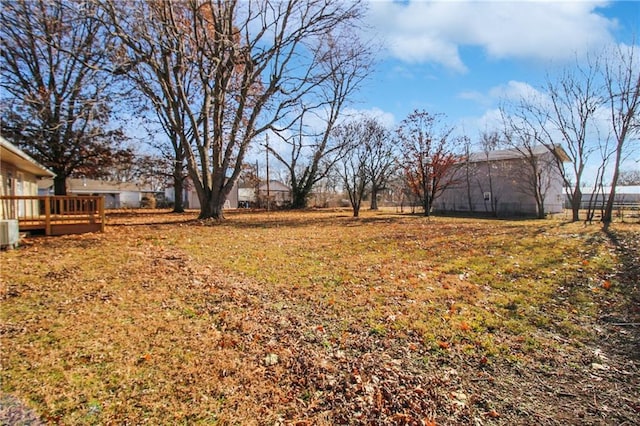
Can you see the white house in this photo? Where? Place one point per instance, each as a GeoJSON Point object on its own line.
{"type": "Point", "coordinates": [276, 192]}
{"type": "Point", "coordinates": [116, 194]}
{"type": "Point", "coordinates": [500, 183]}
{"type": "Point", "coordinates": [19, 175]}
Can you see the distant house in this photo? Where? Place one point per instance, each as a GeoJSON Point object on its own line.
{"type": "Point", "coordinates": [19, 174]}
{"type": "Point", "coordinates": [192, 201]}
{"type": "Point", "coordinates": [277, 192]}
{"type": "Point", "coordinates": [246, 196]}
{"type": "Point", "coordinates": [116, 195]}
{"type": "Point", "coordinates": [626, 195]}
{"type": "Point", "coordinates": [499, 183]}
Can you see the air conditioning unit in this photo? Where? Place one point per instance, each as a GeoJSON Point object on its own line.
{"type": "Point", "coordinates": [9, 233]}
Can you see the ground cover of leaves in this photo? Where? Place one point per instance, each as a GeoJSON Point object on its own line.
{"type": "Point", "coordinates": [317, 318]}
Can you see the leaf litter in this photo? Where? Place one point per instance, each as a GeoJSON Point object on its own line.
{"type": "Point", "coordinates": [245, 322]}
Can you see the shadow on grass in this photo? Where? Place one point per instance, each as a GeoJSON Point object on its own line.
{"type": "Point", "coordinates": [627, 316]}
{"type": "Point", "coordinates": [304, 218]}
{"type": "Point", "coordinates": [145, 217]}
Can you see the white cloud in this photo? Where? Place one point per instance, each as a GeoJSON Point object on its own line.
{"type": "Point", "coordinates": [474, 126]}
{"type": "Point", "coordinates": [515, 91]}
{"type": "Point", "coordinates": [475, 96]}
{"type": "Point", "coordinates": [434, 31]}
{"type": "Point", "coordinates": [511, 92]}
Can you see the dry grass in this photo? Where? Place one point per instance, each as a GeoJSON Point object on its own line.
{"type": "Point", "coordinates": [319, 318]}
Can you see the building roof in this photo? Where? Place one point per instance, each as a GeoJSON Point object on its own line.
{"type": "Point", "coordinates": [274, 186]}
{"type": "Point", "coordinates": [94, 186]}
{"type": "Point", "coordinates": [12, 154]}
{"type": "Point", "coordinates": [512, 153]}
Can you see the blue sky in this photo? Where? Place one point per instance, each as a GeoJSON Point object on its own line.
{"type": "Point", "coordinates": [461, 58]}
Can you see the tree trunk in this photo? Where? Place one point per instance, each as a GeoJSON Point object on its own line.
{"type": "Point", "coordinates": [299, 197]}
{"type": "Point", "coordinates": [540, 206]}
{"type": "Point", "coordinates": [212, 209]}
{"type": "Point", "coordinates": [426, 206]}
{"type": "Point", "coordinates": [468, 176]}
{"type": "Point", "coordinates": [356, 210]}
{"type": "Point", "coordinates": [607, 216]}
{"type": "Point", "coordinates": [576, 201]}
{"type": "Point", "coordinates": [60, 184]}
{"type": "Point", "coordinates": [178, 188]}
{"type": "Point", "coordinates": [374, 198]}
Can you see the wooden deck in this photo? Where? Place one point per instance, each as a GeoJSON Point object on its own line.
{"type": "Point", "coordinates": [55, 215]}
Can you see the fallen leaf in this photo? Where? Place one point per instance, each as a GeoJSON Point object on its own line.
{"type": "Point", "coordinates": [606, 284]}
{"type": "Point", "coordinates": [271, 359]}
{"type": "Point", "coordinates": [493, 414]}
{"type": "Point", "coordinates": [464, 326]}
{"type": "Point", "coordinates": [442, 344]}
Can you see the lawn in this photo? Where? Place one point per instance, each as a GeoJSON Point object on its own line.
{"type": "Point", "coordinates": [317, 318]}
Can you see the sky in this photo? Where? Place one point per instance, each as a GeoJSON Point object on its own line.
{"type": "Point", "coordinates": [464, 58]}
{"type": "Point", "coordinates": [461, 58]}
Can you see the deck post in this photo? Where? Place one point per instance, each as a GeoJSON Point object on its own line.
{"type": "Point", "coordinates": [47, 215]}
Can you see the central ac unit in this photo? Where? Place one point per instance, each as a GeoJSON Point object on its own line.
{"type": "Point", "coordinates": [9, 233]}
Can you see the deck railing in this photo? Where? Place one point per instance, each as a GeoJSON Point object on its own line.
{"type": "Point", "coordinates": [56, 215]}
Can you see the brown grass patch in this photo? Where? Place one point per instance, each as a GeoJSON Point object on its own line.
{"type": "Point", "coordinates": [319, 318]}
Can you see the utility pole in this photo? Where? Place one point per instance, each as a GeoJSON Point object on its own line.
{"type": "Point", "coordinates": [268, 192]}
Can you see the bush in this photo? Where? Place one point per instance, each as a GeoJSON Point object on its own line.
{"type": "Point", "coordinates": [148, 202]}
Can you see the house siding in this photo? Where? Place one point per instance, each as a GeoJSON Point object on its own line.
{"type": "Point", "coordinates": [17, 179]}
{"type": "Point", "coordinates": [500, 185]}
{"type": "Point", "coordinates": [130, 199]}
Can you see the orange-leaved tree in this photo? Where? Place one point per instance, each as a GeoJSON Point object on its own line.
{"type": "Point", "coordinates": [429, 156]}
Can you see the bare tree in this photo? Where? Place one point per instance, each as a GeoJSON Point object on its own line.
{"type": "Point", "coordinates": [55, 95]}
{"type": "Point", "coordinates": [235, 69]}
{"type": "Point", "coordinates": [629, 177]}
{"type": "Point", "coordinates": [166, 125]}
{"type": "Point", "coordinates": [490, 141]}
{"type": "Point", "coordinates": [574, 102]}
{"type": "Point", "coordinates": [622, 81]}
{"type": "Point", "coordinates": [343, 63]}
{"type": "Point", "coordinates": [538, 162]}
{"type": "Point", "coordinates": [469, 170]}
{"type": "Point", "coordinates": [145, 169]}
{"type": "Point", "coordinates": [429, 156]}
{"type": "Point", "coordinates": [382, 160]}
{"type": "Point", "coordinates": [368, 161]}
{"type": "Point", "coordinates": [352, 167]}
